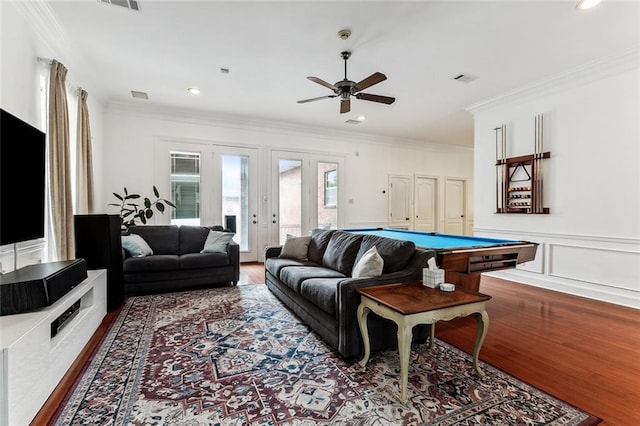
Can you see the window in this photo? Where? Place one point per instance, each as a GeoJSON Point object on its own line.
{"type": "Point", "coordinates": [330, 188]}
{"type": "Point", "coordinates": [185, 188]}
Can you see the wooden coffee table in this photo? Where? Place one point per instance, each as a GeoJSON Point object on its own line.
{"type": "Point", "coordinates": [410, 304]}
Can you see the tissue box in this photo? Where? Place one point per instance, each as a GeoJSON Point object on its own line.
{"type": "Point", "coordinates": [432, 277]}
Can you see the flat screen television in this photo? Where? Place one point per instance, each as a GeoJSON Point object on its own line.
{"type": "Point", "coordinates": [22, 180]}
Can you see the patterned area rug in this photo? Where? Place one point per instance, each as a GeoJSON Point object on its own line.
{"type": "Point", "coordinates": [237, 356]}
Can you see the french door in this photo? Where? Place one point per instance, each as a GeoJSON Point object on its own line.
{"type": "Point", "coordinates": [211, 185]}
{"type": "Point", "coordinates": [305, 193]}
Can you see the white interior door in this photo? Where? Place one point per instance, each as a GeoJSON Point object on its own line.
{"type": "Point", "coordinates": [425, 203]}
{"type": "Point", "coordinates": [455, 195]}
{"type": "Point", "coordinates": [400, 198]}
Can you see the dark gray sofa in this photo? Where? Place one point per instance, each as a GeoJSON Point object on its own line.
{"type": "Point", "coordinates": [322, 293]}
{"type": "Point", "coordinates": [176, 262]}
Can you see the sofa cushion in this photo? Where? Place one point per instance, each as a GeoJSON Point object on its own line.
{"type": "Point", "coordinates": [275, 264]}
{"type": "Point", "coordinates": [136, 246]}
{"type": "Point", "coordinates": [321, 292]}
{"type": "Point", "coordinates": [293, 276]}
{"type": "Point", "coordinates": [295, 247]}
{"type": "Point", "coordinates": [369, 265]}
{"type": "Point", "coordinates": [341, 251]}
{"type": "Point", "coordinates": [394, 253]}
{"type": "Point", "coordinates": [318, 244]}
{"type": "Point", "coordinates": [203, 260]}
{"type": "Point", "coordinates": [155, 263]}
{"type": "Point", "coordinates": [192, 238]}
{"type": "Point", "coordinates": [163, 239]}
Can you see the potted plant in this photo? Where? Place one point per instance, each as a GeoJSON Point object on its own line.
{"type": "Point", "coordinates": [133, 213]}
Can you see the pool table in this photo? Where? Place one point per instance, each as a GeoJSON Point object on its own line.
{"type": "Point", "coordinates": [463, 257]}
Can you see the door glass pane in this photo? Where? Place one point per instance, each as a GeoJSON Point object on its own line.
{"type": "Point", "coordinates": [290, 202]}
{"type": "Point", "coordinates": [327, 195]}
{"type": "Point", "coordinates": [235, 195]}
{"type": "Point", "coordinates": [185, 188]}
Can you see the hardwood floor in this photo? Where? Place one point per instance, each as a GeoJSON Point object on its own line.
{"type": "Point", "coordinates": [582, 351]}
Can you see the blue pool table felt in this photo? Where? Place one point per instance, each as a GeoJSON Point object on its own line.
{"type": "Point", "coordinates": [434, 241]}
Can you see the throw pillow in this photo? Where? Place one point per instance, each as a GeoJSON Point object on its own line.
{"type": "Point", "coordinates": [369, 265]}
{"type": "Point", "coordinates": [217, 242]}
{"type": "Point", "coordinates": [295, 247]}
{"type": "Point", "coordinates": [136, 245]}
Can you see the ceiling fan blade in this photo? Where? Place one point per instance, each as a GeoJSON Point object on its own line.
{"type": "Point", "coordinates": [374, 78]}
{"type": "Point", "coordinates": [345, 105]}
{"type": "Point", "coordinates": [322, 82]}
{"type": "Point", "coordinates": [304, 101]}
{"type": "Point", "coordinates": [376, 98]}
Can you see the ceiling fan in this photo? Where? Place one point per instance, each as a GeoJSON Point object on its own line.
{"type": "Point", "coordinates": [347, 88]}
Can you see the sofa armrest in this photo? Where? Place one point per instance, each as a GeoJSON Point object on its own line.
{"type": "Point", "coordinates": [272, 251]}
{"type": "Point", "coordinates": [233, 251]}
{"type": "Point", "coordinates": [349, 300]}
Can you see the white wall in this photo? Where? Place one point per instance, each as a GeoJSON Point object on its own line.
{"type": "Point", "coordinates": [590, 241]}
{"type": "Point", "coordinates": [24, 38]}
{"type": "Point", "coordinates": [131, 133]}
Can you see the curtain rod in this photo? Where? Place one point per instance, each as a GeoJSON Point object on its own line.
{"type": "Point", "coordinates": [49, 61]}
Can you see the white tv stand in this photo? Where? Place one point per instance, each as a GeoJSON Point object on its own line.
{"type": "Point", "coordinates": [32, 362]}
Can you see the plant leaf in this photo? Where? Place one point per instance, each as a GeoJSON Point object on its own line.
{"type": "Point", "coordinates": [118, 196]}
{"type": "Point", "coordinates": [160, 207]}
{"type": "Point", "coordinates": [155, 191]}
{"type": "Point", "coordinates": [149, 213]}
{"type": "Point", "coordinates": [147, 203]}
{"type": "Point", "coordinates": [132, 196]}
{"type": "Point", "coordinates": [125, 191]}
{"type": "Point", "coordinates": [170, 203]}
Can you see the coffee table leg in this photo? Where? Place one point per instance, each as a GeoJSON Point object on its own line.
{"type": "Point", "coordinates": [432, 338]}
{"type": "Point", "coordinates": [405, 335]}
{"type": "Point", "coordinates": [482, 318]}
{"type": "Point", "coordinates": [363, 313]}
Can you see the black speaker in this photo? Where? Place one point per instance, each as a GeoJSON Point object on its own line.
{"type": "Point", "coordinates": [98, 241]}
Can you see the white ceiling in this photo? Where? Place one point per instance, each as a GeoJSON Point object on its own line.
{"type": "Point", "coordinates": [271, 47]}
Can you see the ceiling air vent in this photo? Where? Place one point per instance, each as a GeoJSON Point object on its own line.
{"type": "Point", "coordinates": [129, 4]}
{"type": "Point", "coordinates": [464, 78]}
{"type": "Point", "coordinates": [139, 95]}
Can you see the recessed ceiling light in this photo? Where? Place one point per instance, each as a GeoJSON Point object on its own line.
{"type": "Point", "coordinates": [139, 95]}
{"type": "Point", "coordinates": [360, 118]}
{"type": "Point", "coordinates": [194, 90]}
{"type": "Point", "coordinates": [587, 4]}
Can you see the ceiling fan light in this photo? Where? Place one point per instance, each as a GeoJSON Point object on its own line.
{"type": "Point", "coordinates": [194, 90]}
{"type": "Point", "coordinates": [587, 4]}
{"type": "Point", "coordinates": [360, 118]}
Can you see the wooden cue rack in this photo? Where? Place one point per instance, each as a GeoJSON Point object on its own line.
{"type": "Point", "coordinates": [519, 180]}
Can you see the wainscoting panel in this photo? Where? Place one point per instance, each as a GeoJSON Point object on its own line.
{"type": "Point", "coordinates": [29, 253]}
{"type": "Point", "coordinates": [596, 265]}
{"type": "Point", "coordinates": [536, 265]}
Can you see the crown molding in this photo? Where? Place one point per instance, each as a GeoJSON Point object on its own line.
{"type": "Point", "coordinates": [44, 23]}
{"type": "Point", "coordinates": [249, 123]}
{"type": "Point", "coordinates": [624, 61]}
